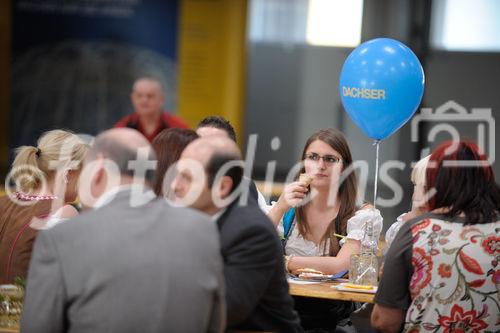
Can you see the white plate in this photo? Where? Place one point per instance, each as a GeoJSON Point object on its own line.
{"type": "Point", "coordinates": [8, 287]}
{"type": "Point", "coordinates": [298, 281]}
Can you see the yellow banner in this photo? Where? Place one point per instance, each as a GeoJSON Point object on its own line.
{"type": "Point", "coordinates": [212, 46]}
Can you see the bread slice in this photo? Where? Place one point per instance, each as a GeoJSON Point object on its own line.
{"type": "Point", "coordinates": [310, 273]}
{"type": "Point", "coordinates": [309, 270]}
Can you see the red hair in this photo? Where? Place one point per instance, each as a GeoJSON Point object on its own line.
{"type": "Point", "coordinates": [463, 180]}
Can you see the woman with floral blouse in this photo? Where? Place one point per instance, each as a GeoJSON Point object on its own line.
{"type": "Point", "coordinates": [442, 272]}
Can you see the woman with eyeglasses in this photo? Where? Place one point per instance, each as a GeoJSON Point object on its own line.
{"type": "Point", "coordinates": [326, 226]}
{"type": "Point", "coordinates": [319, 222]}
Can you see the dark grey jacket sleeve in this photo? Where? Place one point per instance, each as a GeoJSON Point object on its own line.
{"type": "Point", "coordinates": [248, 269]}
{"type": "Point", "coordinates": [45, 292]}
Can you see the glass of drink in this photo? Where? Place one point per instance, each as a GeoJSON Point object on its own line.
{"type": "Point", "coordinates": [353, 268]}
{"type": "Point", "coordinates": [367, 273]}
{"type": "Point", "coordinates": [11, 305]}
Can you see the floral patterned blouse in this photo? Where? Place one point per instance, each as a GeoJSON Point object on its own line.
{"type": "Point", "coordinates": [446, 274]}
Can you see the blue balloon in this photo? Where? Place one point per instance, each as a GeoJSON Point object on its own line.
{"type": "Point", "coordinates": [381, 86]}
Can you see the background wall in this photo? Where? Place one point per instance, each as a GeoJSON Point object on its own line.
{"type": "Point", "coordinates": [293, 91]}
{"type": "Point", "coordinates": [5, 41]}
{"type": "Point", "coordinates": [288, 90]}
{"type": "Point", "coordinates": [73, 63]}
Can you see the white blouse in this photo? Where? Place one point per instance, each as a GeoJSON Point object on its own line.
{"type": "Point", "coordinates": [391, 233]}
{"type": "Point", "coordinates": [299, 246]}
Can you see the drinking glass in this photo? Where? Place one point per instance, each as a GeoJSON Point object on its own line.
{"type": "Point", "coordinates": [11, 305]}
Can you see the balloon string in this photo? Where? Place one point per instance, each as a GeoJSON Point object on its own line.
{"type": "Point", "coordinates": [377, 145]}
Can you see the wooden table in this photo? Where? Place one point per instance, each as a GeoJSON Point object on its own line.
{"type": "Point", "coordinates": [9, 330]}
{"type": "Point", "coordinates": [315, 290]}
{"type": "Point", "coordinates": [325, 290]}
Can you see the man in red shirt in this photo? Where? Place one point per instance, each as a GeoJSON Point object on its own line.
{"type": "Point", "coordinates": [149, 118]}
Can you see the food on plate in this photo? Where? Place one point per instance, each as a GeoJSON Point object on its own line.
{"type": "Point", "coordinates": [357, 286]}
{"type": "Point", "coordinates": [310, 273]}
{"type": "Point", "coordinates": [309, 270]}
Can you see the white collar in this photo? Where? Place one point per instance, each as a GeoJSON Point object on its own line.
{"type": "Point", "coordinates": [108, 196]}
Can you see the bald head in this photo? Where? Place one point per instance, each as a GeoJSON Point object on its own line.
{"type": "Point", "coordinates": [121, 145]}
{"type": "Point", "coordinates": [148, 81]}
{"type": "Point", "coordinates": [125, 136]}
{"type": "Point", "coordinates": [215, 154]}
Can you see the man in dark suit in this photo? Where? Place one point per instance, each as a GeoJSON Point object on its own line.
{"type": "Point", "coordinates": [210, 178]}
{"type": "Point", "coordinates": [218, 126]}
{"type": "Point", "coordinates": [129, 265]}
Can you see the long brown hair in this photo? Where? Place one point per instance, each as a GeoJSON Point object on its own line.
{"type": "Point", "coordinates": [347, 192]}
{"type": "Point", "coordinates": [168, 146]}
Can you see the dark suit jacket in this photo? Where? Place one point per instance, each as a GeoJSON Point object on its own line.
{"type": "Point", "coordinates": [151, 268]}
{"type": "Point", "coordinates": [257, 296]}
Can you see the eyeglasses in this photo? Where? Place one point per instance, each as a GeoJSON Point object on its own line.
{"type": "Point", "coordinates": [328, 159]}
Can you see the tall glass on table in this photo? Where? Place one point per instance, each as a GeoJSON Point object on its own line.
{"type": "Point", "coordinates": [11, 305]}
{"type": "Point", "coordinates": [364, 266]}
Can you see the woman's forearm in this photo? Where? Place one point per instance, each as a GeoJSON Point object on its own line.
{"type": "Point", "coordinates": [277, 212]}
{"type": "Point", "coordinates": [327, 265]}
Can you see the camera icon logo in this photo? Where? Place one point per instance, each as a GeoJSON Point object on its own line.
{"type": "Point", "coordinates": [450, 113]}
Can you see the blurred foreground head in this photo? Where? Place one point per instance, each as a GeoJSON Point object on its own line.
{"type": "Point", "coordinates": [118, 156]}
{"type": "Point", "coordinates": [209, 171]}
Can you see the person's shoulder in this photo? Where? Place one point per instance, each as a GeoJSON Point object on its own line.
{"type": "Point", "coordinates": [185, 213]}
{"type": "Point", "coordinates": [117, 220]}
{"type": "Point", "coordinates": [174, 121]}
{"type": "Point", "coordinates": [67, 212]}
{"type": "Point", "coordinates": [123, 122]}
{"type": "Point", "coordinates": [87, 219]}
{"type": "Point", "coordinates": [185, 222]}
{"type": "Point", "coordinates": [419, 222]}
{"type": "Point", "coordinates": [74, 222]}
{"type": "Point", "coordinates": [249, 209]}
{"type": "Point", "coordinates": [249, 216]}
{"type": "Point", "coordinates": [407, 230]}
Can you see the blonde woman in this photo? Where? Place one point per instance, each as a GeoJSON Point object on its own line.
{"type": "Point", "coordinates": [418, 206]}
{"type": "Point", "coordinates": [45, 179]}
